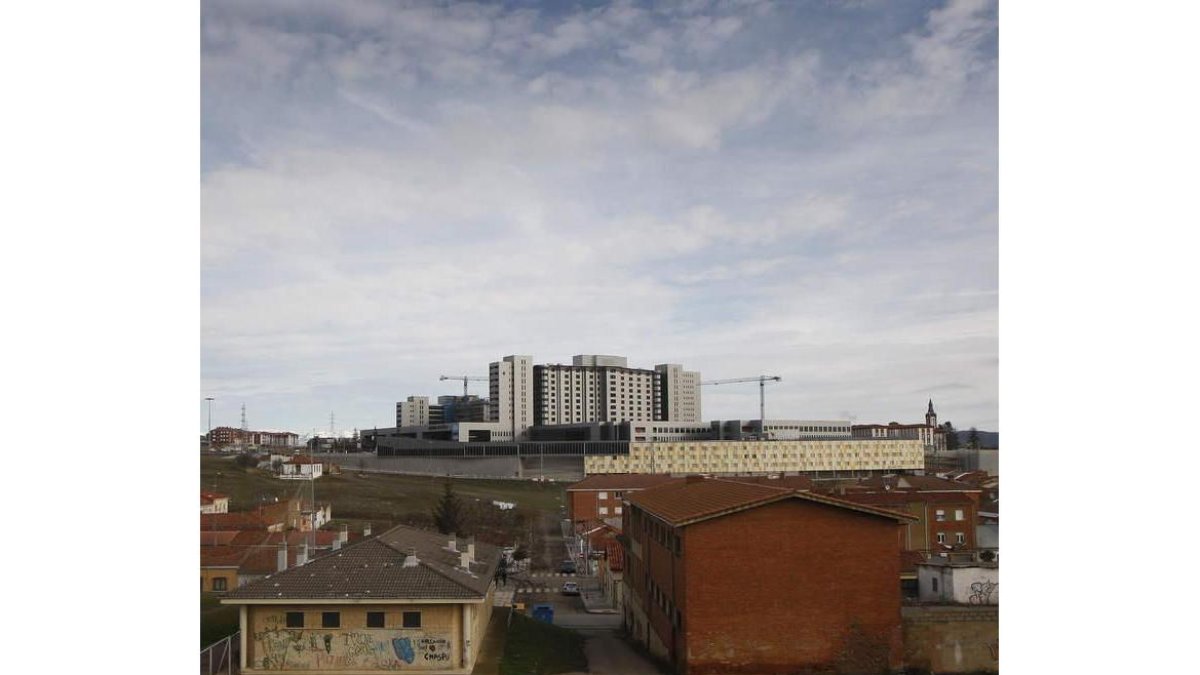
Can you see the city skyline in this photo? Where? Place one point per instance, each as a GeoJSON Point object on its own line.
{"type": "Point", "coordinates": [745, 188]}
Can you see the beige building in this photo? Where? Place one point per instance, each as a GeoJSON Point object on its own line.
{"type": "Point", "coordinates": [510, 383]}
{"type": "Point", "coordinates": [595, 388]}
{"type": "Point", "coordinates": [736, 457]}
{"type": "Point", "coordinates": [408, 599]}
{"type": "Point", "coordinates": [413, 412]}
{"type": "Point", "coordinates": [680, 393]}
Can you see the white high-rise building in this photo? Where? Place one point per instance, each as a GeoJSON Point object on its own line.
{"type": "Point", "coordinates": [413, 413]}
{"type": "Point", "coordinates": [510, 383]}
{"type": "Point", "coordinates": [595, 388]}
{"type": "Point", "coordinates": [680, 393]}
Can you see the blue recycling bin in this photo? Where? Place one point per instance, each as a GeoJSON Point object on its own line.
{"type": "Point", "coordinates": [544, 613]}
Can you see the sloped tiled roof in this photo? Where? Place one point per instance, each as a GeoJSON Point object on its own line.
{"type": "Point", "coordinates": [690, 500]}
{"type": "Point", "coordinates": [615, 555]}
{"type": "Point", "coordinates": [620, 481]}
{"type": "Point", "coordinates": [210, 497]}
{"type": "Point", "coordinates": [906, 482]}
{"type": "Point", "coordinates": [236, 521]}
{"type": "Point", "coordinates": [790, 482]}
{"type": "Point", "coordinates": [902, 497]}
{"type": "Point", "coordinates": [374, 569]}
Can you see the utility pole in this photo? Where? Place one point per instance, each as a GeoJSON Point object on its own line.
{"type": "Point", "coordinates": [208, 437]}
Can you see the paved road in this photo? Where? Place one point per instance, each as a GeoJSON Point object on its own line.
{"type": "Point", "coordinates": [608, 654]}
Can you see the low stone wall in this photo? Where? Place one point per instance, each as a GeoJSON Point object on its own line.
{"type": "Point", "coordinates": [951, 638]}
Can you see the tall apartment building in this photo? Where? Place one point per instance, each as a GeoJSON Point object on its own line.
{"type": "Point", "coordinates": [413, 413]}
{"type": "Point", "coordinates": [595, 388]}
{"type": "Point", "coordinates": [510, 384]}
{"type": "Point", "coordinates": [680, 401]}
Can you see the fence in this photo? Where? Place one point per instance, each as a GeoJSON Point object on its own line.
{"type": "Point", "coordinates": [222, 657]}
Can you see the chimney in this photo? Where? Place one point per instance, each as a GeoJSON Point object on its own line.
{"type": "Point", "coordinates": [337, 543]}
{"type": "Point", "coordinates": [464, 559]}
{"type": "Point", "coordinates": [367, 531]}
{"type": "Point", "coordinates": [344, 534]}
{"type": "Point", "coordinates": [471, 548]}
{"type": "Point", "coordinates": [453, 545]}
{"type": "Point", "coordinates": [281, 557]}
{"type": "Point", "coordinates": [302, 556]}
{"type": "Point", "coordinates": [410, 560]}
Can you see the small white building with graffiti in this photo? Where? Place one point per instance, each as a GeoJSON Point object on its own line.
{"type": "Point", "coordinates": [408, 599]}
{"type": "Point", "coordinates": [960, 583]}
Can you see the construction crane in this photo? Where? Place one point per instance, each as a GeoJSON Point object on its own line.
{"type": "Point", "coordinates": [762, 388]}
{"type": "Point", "coordinates": [464, 379]}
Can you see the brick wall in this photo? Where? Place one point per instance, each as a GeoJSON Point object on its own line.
{"type": "Point", "coordinates": [952, 639]}
{"type": "Point", "coordinates": [779, 588]}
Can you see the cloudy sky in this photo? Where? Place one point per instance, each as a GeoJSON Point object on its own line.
{"type": "Point", "coordinates": [392, 191]}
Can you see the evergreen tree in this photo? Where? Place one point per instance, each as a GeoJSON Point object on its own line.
{"type": "Point", "coordinates": [448, 514]}
{"type": "Point", "coordinates": [951, 436]}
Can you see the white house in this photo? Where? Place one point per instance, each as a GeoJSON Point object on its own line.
{"type": "Point", "coordinates": [300, 467]}
{"type": "Point", "coordinates": [958, 583]}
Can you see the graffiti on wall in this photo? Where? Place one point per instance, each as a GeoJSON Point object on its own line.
{"type": "Point", "coordinates": [985, 593]}
{"type": "Point", "coordinates": [279, 648]}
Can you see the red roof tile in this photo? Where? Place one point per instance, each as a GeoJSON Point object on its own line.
{"type": "Point", "coordinates": [210, 497]}
{"type": "Point", "coordinates": [620, 481]}
{"type": "Point", "coordinates": [684, 501]}
{"type": "Point", "coordinates": [615, 555]}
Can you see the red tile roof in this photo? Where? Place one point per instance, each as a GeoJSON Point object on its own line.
{"type": "Point", "coordinates": [210, 497]}
{"type": "Point", "coordinates": [620, 481]}
{"type": "Point", "coordinates": [685, 501]}
{"type": "Point", "coordinates": [235, 521]}
{"type": "Point", "coordinates": [790, 482]}
{"type": "Point", "coordinates": [615, 555]}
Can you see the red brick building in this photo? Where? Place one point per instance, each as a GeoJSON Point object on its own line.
{"type": "Point", "coordinates": [946, 513]}
{"type": "Point", "coordinates": [599, 496]}
{"type": "Point", "coordinates": [726, 576]}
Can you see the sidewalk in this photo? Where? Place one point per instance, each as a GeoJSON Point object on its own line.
{"type": "Point", "coordinates": [595, 602]}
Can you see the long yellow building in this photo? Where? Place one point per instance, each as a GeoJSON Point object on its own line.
{"type": "Point", "coordinates": [719, 457]}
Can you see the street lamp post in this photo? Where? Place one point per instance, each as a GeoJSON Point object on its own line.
{"type": "Point", "coordinates": [208, 437]}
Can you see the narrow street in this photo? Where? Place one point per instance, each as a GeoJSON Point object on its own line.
{"type": "Point", "coordinates": [607, 651]}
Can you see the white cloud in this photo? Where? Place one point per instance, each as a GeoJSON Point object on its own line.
{"type": "Point", "coordinates": [395, 192]}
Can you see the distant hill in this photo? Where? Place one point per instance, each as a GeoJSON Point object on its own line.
{"type": "Point", "coordinates": [988, 440]}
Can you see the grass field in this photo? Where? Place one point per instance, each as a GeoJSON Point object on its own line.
{"type": "Point", "coordinates": [536, 648]}
{"type": "Point", "coordinates": [381, 499]}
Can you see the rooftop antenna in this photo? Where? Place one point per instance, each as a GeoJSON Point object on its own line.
{"type": "Point", "coordinates": [331, 424]}
{"type": "Point", "coordinates": [244, 428]}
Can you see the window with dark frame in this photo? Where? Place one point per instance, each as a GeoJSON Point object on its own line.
{"type": "Point", "coordinates": [412, 620]}
{"type": "Point", "coordinates": [219, 584]}
{"type": "Point", "coordinates": [331, 619]}
{"type": "Point", "coordinates": [294, 620]}
{"type": "Point", "coordinates": [374, 619]}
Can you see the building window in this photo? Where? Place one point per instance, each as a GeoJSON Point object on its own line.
{"type": "Point", "coordinates": [412, 620]}
{"type": "Point", "coordinates": [617, 510]}
{"type": "Point", "coordinates": [604, 510]}
{"type": "Point", "coordinates": [958, 514]}
{"type": "Point", "coordinates": [934, 580]}
{"type": "Point", "coordinates": [374, 619]}
{"type": "Point", "coordinates": [219, 584]}
{"type": "Point", "coordinates": [940, 516]}
{"type": "Point", "coordinates": [294, 620]}
{"type": "Point", "coordinates": [331, 619]}
{"type": "Point", "coordinates": [960, 538]}
{"type": "Point", "coordinates": [603, 495]}
{"type": "Point", "coordinates": [941, 537]}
